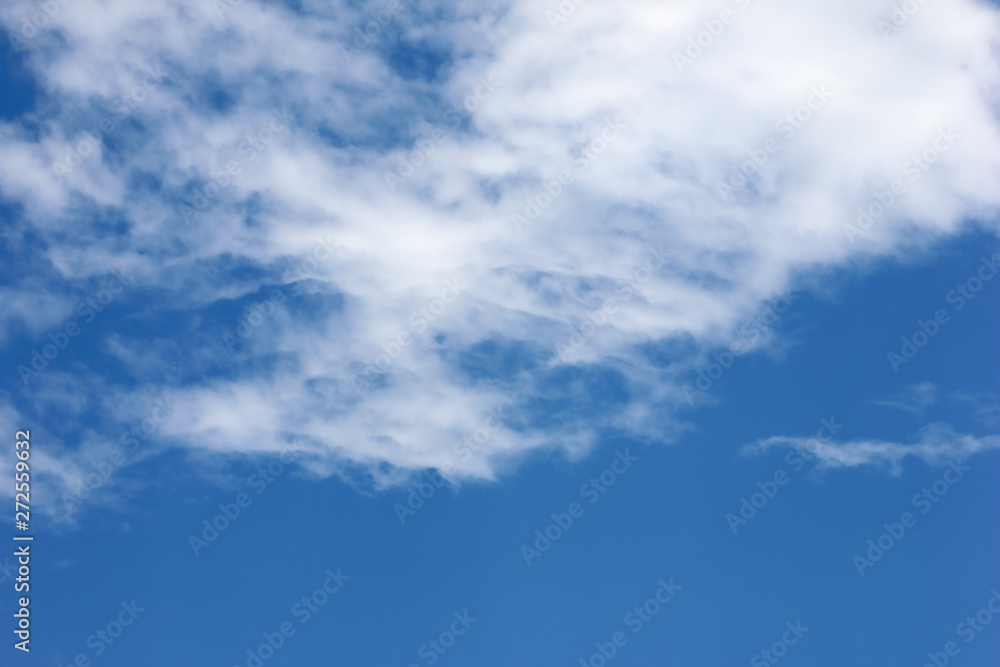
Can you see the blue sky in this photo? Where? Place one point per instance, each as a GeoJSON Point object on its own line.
{"type": "Point", "coordinates": [455, 352]}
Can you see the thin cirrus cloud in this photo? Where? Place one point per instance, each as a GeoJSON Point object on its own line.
{"type": "Point", "coordinates": [915, 398]}
{"type": "Point", "coordinates": [835, 109]}
{"type": "Point", "coordinates": [935, 444]}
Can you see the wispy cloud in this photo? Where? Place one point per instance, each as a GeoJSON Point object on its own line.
{"type": "Point", "coordinates": [324, 177]}
{"type": "Point", "coordinates": [915, 398]}
{"type": "Point", "coordinates": [935, 444]}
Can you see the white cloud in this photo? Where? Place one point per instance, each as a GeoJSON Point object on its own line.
{"type": "Point", "coordinates": [935, 444]}
{"type": "Point", "coordinates": [915, 398]}
{"type": "Point", "coordinates": [655, 185]}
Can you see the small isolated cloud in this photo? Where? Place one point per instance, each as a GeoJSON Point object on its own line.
{"type": "Point", "coordinates": [915, 398]}
{"type": "Point", "coordinates": [935, 444]}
